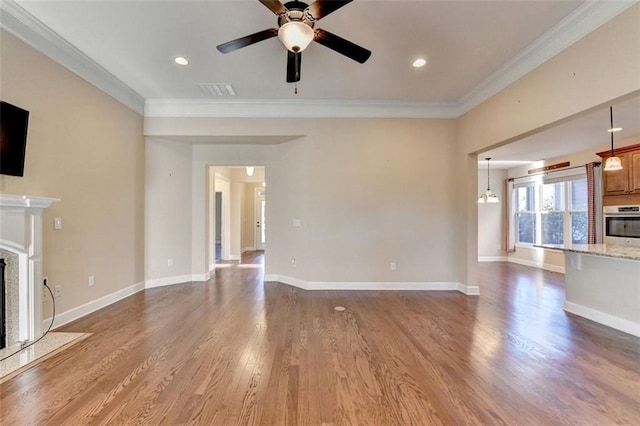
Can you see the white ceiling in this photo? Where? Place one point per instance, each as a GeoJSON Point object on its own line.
{"type": "Point", "coordinates": [474, 48]}
{"type": "Point", "coordinates": [464, 42]}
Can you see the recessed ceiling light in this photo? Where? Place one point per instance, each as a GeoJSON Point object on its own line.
{"type": "Point", "coordinates": [181, 61]}
{"type": "Point", "coordinates": [614, 129]}
{"type": "Point", "coordinates": [419, 63]}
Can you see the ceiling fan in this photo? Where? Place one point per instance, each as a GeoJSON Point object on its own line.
{"type": "Point", "coordinates": [296, 21]}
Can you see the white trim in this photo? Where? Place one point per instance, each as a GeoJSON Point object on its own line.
{"type": "Point", "coordinates": [177, 279]}
{"type": "Point", "coordinates": [200, 277]}
{"type": "Point", "coordinates": [600, 317]}
{"type": "Point", "coordinates": [247, 249]}
{"type": "Point", "coordinates": [493, 258]}
{"type": "Point", "coordinates": [379, 285]}
{"type": "Point", "coordinates": [211, 269]}
{"type": "Point", "coordinates": [267, 108]}
{"type": "Point", "coordinates": [539, 265]}
{"type": "Point", "coordinates": [161, 282]}
{"type": "Point", "coordinates": [469, 290]}
{"type": "Point", "coordinates": [237, 257]}
{"type": "Point", "coordinates": [26, 201]}
{"type": "Point", "coordinates": [583, 20]}
{"type": "Point", "coordinates": [79, 312]}
{"type": "Point", "coordinates": [29, 29]}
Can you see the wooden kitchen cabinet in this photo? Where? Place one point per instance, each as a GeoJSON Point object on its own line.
{"type": "Point", "coordinates": [627, 180]}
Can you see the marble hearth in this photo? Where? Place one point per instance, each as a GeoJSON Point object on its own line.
{"type": "Point", "coordinates": [21, 247]}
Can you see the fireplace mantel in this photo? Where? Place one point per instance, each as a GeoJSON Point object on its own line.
{"type": "Point", "coordinates": [7, 200]}
{"type": "Point", "coordinates": [21, 234]}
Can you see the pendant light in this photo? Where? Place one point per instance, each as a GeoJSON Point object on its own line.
{"type": "Point", "coordinates": [249, 170]}
{"type": "Point", "coordinates": [488, 196]}
{"type": "Point", "coordinates": [613, 163]}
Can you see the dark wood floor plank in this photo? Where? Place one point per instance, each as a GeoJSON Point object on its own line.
{"type": "Point", "coordinates": [236, 350]}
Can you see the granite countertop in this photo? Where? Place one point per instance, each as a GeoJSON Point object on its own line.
{"type": "Point", "coordinates": [608, 250]}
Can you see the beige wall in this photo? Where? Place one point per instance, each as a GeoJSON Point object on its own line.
{"type": "Point", "coordinates": [87, 149]}
{"type": "Point", "coordinates": [168, 166]}
{"type": "Point", "coordinates": [587, 75]}
{"type": "Point", "coordinates": [367, 192]}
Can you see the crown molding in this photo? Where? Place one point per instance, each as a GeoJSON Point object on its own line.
{"type": "Point", "coordinates": [17, 21]}
{"type": "Point", "coordinates": [583, 20]}
{"type": "Point", "coordinates": [271, 108]}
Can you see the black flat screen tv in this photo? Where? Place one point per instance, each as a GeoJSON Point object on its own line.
{"type": "Point", "coordinates": [13, 139]}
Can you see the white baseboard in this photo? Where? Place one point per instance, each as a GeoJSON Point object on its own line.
{"type": "Point", "coordinates": [609, 320]}
{"type": "Point", "coordinates": [248, 249]}
{"type": "Point", "coordinates": [493, 259]}
{"type": "Point", "coordinates": [539, 265]}
{"type": "Point", "coordinates": [237, 257]}
{"type": "Point", "coordinates": [161, 282]}
{"type": "Point", "coordinates": [75, 313]}
{"type": "Point", "coordinates": [178, 279]}
{"type": "Point", "coordinates": [380, 285]}
{"type": "Point", "coordinates": [212, 268]}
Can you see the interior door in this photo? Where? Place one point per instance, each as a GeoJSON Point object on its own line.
{"type": "Point", "coordinates": [260, 221]}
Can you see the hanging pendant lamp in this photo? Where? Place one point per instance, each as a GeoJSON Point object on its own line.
{"type": "Point", "coordinates": [613, 163]}
{"type": "Point", "coordinates": [488, 196]}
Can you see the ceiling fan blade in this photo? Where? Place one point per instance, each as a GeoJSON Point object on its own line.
{"type": "Point", "coordinates": [321, 8]}
{"type": "Point", "coordinates": [342, 46]}
{"type": "Point", "coordinates": [275, 6]}
{"type": "Point", "coordinates": [294, 64]}
{"type": "Point", "coordinates": [238, 43]}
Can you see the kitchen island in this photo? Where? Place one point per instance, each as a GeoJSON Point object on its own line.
{"type": "Point", "coordinates": [602, 284]}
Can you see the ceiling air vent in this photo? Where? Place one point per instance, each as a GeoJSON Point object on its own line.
{"type": "Point", "coordinates": [217, 90]}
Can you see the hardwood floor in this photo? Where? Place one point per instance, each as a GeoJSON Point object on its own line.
{"type": "Point", "coordinates": [237, 351]}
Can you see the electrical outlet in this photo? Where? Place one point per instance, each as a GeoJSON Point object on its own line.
{"type": "Point", "coordinates": [57, 291]}
{"type": "Point", "coordinates": [45, 281]}
{"type": "Point", "coordinates": [92, 280]}
{"type": "Point", "coordinates": [392, 266]}
{"type": "Point", "coordinates": [169, 262]}
{"type": "Point", "coordinates": [293, 262]}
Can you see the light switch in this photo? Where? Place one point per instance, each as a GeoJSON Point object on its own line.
{"type": "Point", "coordinates": [57, 223]}
{"type": "Point", "coordinates": [296, 223]}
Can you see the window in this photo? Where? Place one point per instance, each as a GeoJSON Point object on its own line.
{"type": "Point", "coordinates": [552, 211]}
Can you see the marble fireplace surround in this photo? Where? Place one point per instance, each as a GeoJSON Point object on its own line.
{"type": "Point", "coordinates": [21, 237]}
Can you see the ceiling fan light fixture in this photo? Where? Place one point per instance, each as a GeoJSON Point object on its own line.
{"type": "Point", "coordinates": [296, 35]}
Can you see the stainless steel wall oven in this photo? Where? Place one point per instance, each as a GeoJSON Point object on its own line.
{"type": "Point", "coordinates": [622, 225]}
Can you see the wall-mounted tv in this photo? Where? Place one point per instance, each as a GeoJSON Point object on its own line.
{"type": "Point", "coordinates": [13, 139]}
